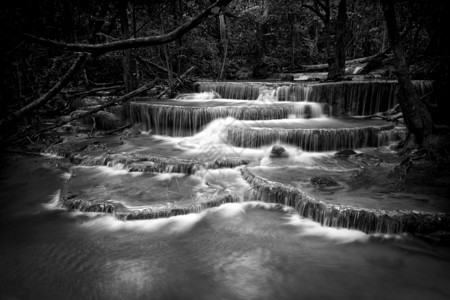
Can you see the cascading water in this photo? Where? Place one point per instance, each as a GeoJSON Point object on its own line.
{"type": "Point", "coordinates": [294, 93]}
{"type": "Point", "coordinates": [351, 97]}
{"type": "Point", "coordinates": [317, 139]}
{"type": "Point", "coordinates": [184, 119]}
{"type": "Point", "coordinates": [259, 115]}
{"type": "Point", "coordinates": [202, 131]}
{"type": "Point", "coordinates": [230, 90]}
{"type": "Point", "coordinates": [226, 199]}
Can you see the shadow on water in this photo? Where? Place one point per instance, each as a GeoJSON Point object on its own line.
{"type": "Point", "coordinates": [245, 250]}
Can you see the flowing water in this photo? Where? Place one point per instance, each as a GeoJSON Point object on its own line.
{"type": "Point", "coordinates": [236, 251]}
{"type": "Point", "coordinates": [203, 228]}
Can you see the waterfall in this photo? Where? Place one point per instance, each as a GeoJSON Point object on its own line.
{"type": "Point", "coordinates": [341, 216]}
{"type": "Point", "coordinates": [160, 164]}
{"type": "Point", "coordinates": [230, 90]}
{"type": "Point", "coordinates": [311, 139]}
{"type": "Point", "coordinates": [71, 202]}
{"type": "Point", "coordinates": [203, 96]}
{"type": "Point", "coordinates": [353, 97]}
{"type": "Point", "coordinates": [295, 92]}
{"type": "Point", "coordinates": [176, 120]}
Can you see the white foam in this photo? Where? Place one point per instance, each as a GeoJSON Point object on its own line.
{"type": "Point", "coordinates": [50, 155]}
{"type": "Point", "coordinates": [175, 224]}
{"type": "Point", "coordinates": [265, 205]}
{"type": "Point", "coordinates": [112, 170]}
{"type": "Point", "coordinates": [309, 228]}
{"type": "Point", "coordinates": [53, 203]}
{"type": "Point", "coordinates": [168, 176]}
{"type": "Point", "coordinates": [203, 96]}
{"type": "Point", "coordinates": [266, 97]}
{"type": "Point", "coordinates": [227, 179]}
{"type": "Point", "coordinates": [229, 210]}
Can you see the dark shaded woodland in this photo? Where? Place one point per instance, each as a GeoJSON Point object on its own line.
{"type": "Point", "coordinates": [55, 52]}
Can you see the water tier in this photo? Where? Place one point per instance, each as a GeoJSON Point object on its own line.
{"type": "Point", "coordinates": [199, 134]}
{"type": "Point", "coordinates": [136, 195]}
{"type": "Point", "coordinates": [182, 118]}
{"type": "Point", "coordinates": [311, 135]}
{"type": "Point", "coordinates": [345, 216]}
{"type": "Point", "coordinates": [352, 97]}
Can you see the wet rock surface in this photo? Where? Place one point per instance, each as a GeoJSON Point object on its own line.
{"type": "Point", "coordinates": [323, 182]}
{"type": "Point", "coordinates": [278, 152]}
{"type": "Point", "coordinates": [364, 219]}
{"type": "Point", "coordinates": [132, 196]}
{"type": "Point", "coordinates": [345, 153]}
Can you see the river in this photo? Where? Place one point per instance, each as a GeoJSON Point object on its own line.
{"type": "Point", "coordinates": [247, 250]}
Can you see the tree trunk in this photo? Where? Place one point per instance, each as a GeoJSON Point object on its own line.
{"type": "Point", "coordinates": [99, 49]}
{"type": "Point", "coordinates": [178, 15]}
{"type": "Point", "coordinates": [327, 25]}
{"type": "Point", "coordinates": [260, 68]}
{"type": "Point", "coordinates": [337, 60]}
{"type": "Point", "coordinates": [77, 65]}
{"type": "Point", "coordinates": [224, 40]}
{"type": "Point", "coordinates": [123, 99]}
{"type": "Point", "coordinates": [129, 61]}
{"type": "Point", "coordinates": [416, 115]}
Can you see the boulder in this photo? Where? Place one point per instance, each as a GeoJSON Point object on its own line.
{"type": "Point", "coordinates": [287, 77]}
{"type": "Point", "coordinates": [345, 153]}
{"type": "Point", "coordinates": [278, 151]}
{"type": "Point", "coordinates": [323, 181]}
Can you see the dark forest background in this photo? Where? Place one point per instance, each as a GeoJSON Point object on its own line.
{"type": "Point", "coordinates": [246, 39]}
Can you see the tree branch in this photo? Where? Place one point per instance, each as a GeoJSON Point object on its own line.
{"type": "Point", "coordinates": [92, 91]}
{"type": "Point", "coordinates": [178, 83]}
{"type": "Point", "coordinates": [316, 11]}
{"type": "Point", "coordinates": [321, 4]}
{"type": "Point", "coordinates": [122, 99]}
{"type": "Point", "coordinates": [99, 49]}
{"type": "Point", "coordinates": [77, 65]}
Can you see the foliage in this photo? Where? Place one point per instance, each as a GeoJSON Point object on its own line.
{"type": "Point", "coordinates": [280, 34]}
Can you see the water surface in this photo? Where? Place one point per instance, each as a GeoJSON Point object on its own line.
{"type": "Point", "coordinates": [235, 251]}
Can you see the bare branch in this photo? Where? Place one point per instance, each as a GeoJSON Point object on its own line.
{"type": "Point", "coordinates": [316, 11]}
{"type": "Point", "coordinates": [77, 65]}
{"type": "Point", "coordinates": [122, 99]}
{"type": "Point", "coordinates": [178, 83]}
{"type": "Point", "coordinates": [99, 49]}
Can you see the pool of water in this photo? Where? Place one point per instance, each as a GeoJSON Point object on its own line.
{"type": "Point", "coordinates": [235, 251]}
{"type": "Point", "coordinates": [138, 190]}
{"type": "Point", "coordinates": [362, 188]}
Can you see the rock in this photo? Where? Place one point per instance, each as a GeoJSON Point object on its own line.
{"type": "Point", "coordinates": [368, 159]}
{"type": "Point", "coordinates": [96, 146]}
{"type": "Point", "coordinates": [287, 77]}
{"type": "Point", "coordinates": [132, 132]}
{"type": "Point", "coordinates": [278, 151]}
{"type": "Point", "coordinates": [362, 177]}
{"type": "Point", "coordinates": [323, 181]}
{"type": "Point", "coordinates": [307, 112]}
{"type": "Point", "coordinates": [345, 153]}
{"type": "Point", "coordinates": [327, 110]}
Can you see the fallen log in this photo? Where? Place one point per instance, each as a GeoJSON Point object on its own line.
{"type": "Point", "coordinates": [380, 116]}
{"type": "Point", "coordinates": [177, 84]}
{"type": "Point", "coordinates": [92, 91]}
{"type": "Point", "coordinates": [324, 67]}
{"type": "Point", "coordinates": [121, 99]}
{"type": "Point", "coordinates": [76, 66]}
